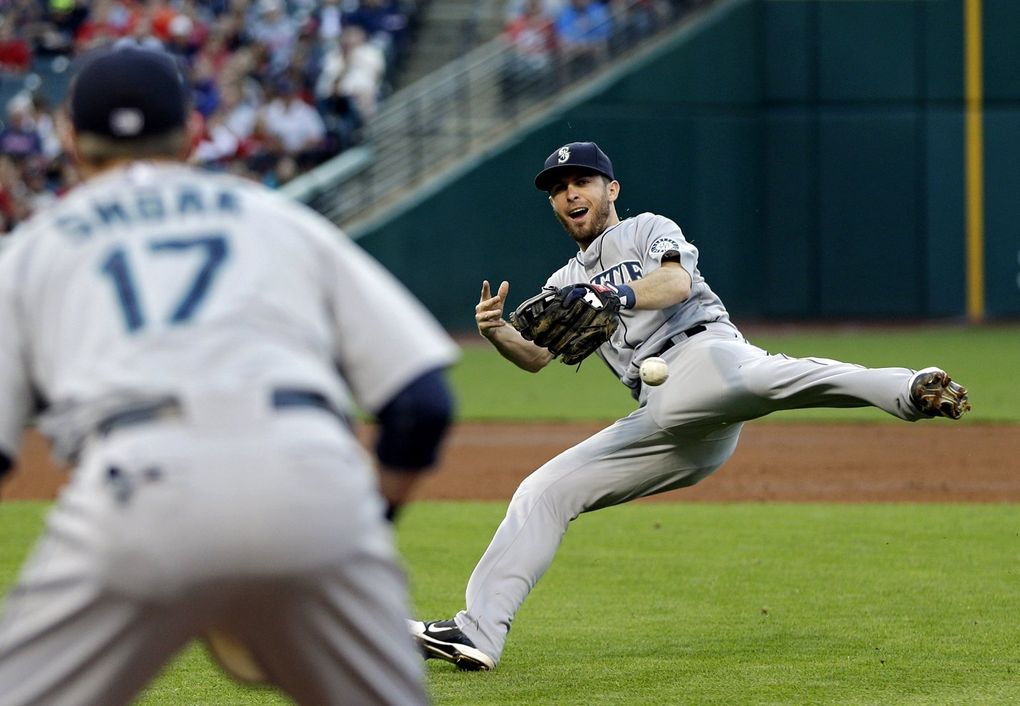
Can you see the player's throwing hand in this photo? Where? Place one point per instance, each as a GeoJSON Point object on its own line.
{"type": "Point", "coordinates": [489, 312]}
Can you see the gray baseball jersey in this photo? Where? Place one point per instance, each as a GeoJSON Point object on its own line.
{"type": "Point", "coordinates": [186, 331]}
{"type": "Point", "coordinates": [626, 252]}
{"type": "Point", "coordinates": [682, 430]}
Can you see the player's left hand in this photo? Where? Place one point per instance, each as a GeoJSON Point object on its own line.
{"type": "Point", "coordinates": [489, 311]}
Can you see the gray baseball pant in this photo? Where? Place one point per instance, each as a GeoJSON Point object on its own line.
{"type": "Point", "coordinates": [269, 528]}
{"type": "Point", "coordinates": [683, 431]}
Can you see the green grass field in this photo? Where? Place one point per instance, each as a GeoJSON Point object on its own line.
{"type": "Point", "coordinates": [714, 604]}
{"type": "Point", "coordinates": [490, 388]}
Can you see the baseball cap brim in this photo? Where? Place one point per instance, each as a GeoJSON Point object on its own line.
{"type": "Point", "coordinates": [548, 177]}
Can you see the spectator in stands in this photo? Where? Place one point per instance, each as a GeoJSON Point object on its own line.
{"type": "Point", "coordinates": [240, 99]}
{"type": "Point", "coordinates": [107, 21]}
{"type": "Point", "coordinates": [45, 126]}
{"type": "Point", "coordinates": [551, 8]}
{"type": "Point", "coordinates": [306, 59]}
{"type": "Point", "coordinates": [15, 52]}
{"type": "Point", "coordinates": [230, 27]}
{"type": "Point", "coordinates": [158, 17]}
{"type": "Point", "coordinates": [385, 24]}
{"type": "Point", "coordinates": [328, 21]}
{"type": "Point", "coordinates": [236, 49]}
{"type": "Point", "coordinates": [184, 41]}
{"type": "Point", "coordinates": [583, 29]}
{"type": "Point", "coordinates": [275, 30]}
{"type": "Point", "coordinates": [205, 91]}
{"type": "Point", "coordinates": [218, 143]}
{"type": "Point", "coordinates": [215, 52]}
{"type": "Point", "coordinates": [292, 127]}
{"type": "Point", "coordinates": [530, 64]}
{"type": "Point", "coordinates": [55, 32]}
{"type": "Point", "coordinates": [637, 19]}
{"type": "Point", "coordinates": [19, 139]}
{"type": "Point", "coordinates": [229, 131]}
{"type": "Point", "coordinates": [37, 188]}
{"type": "Point", "coordinates": [352, 74]}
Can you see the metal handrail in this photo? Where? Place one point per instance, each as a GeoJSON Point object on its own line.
{"type": "Point", "coordinates": [440, 120]}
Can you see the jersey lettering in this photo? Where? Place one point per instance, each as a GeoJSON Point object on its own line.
{"type": "Point", "coordinates": [213, 249]}
{"type": "Point", "coordinates": [146, 206]}
{"type": "Point", "coordinates": [111, 213]}
{"type": "Point", "coordinates": [150, 206]}
{"type": "Point", "coordinates": [622, 273]}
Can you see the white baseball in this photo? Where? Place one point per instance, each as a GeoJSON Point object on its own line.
{"type": "Point", "coordinates": [654, 371]}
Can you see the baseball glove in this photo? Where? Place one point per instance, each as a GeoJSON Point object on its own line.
{"type": "Point", "coordinates": [571, 322]}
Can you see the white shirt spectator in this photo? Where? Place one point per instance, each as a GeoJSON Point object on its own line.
{"type": "Point", "coordinates": [297, 125]}
{"type": "Point", "coordinates": [355, 67]}
{"type": "Point", "coordinates": [219, 143]}
{"type": "Point", "coordinates": [239, 111]}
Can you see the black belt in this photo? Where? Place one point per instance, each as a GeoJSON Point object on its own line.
{"type": "Point", "coordinates": [692, 331]}
{"type": "Point", "coordinates": [170, 408]}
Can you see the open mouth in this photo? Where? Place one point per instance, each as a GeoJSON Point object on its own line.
{"type": "Point", "coordinates": [578, 213]}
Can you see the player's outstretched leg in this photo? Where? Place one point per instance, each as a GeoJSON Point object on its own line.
{"type": "Point", "coordinates": [936, 395]}
{"type": "Point", "coordinates": [443, 639]}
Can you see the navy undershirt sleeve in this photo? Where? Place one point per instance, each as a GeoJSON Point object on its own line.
{"type": "Point", "coordinates": [5, 463]}
{"type": "Point", "coordinates": [413, 423]}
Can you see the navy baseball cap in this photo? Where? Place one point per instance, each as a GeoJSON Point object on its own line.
{"type": "Point", "coordinates": [574, 154]}
{"type": "Point", "coordinates": [129, 91]}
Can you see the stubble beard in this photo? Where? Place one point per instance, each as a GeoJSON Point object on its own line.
{"type": "Point", "coordinates": [585, 234]}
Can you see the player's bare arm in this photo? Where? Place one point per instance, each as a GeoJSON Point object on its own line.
{"type": "Point", "coordinates": [505, 338]}
{"type": "Point", "coordinates": [396, 484]}
{"type": "Point", "coordinates": [663, 287]}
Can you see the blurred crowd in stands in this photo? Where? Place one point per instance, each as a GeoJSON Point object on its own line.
{"type": "Point", "coordinates": [280, 85]}
{"type": "Point", "coordinates": [554, 42]}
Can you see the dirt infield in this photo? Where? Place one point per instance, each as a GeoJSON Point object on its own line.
{"type": "Point", "coordinates": [925, 462]}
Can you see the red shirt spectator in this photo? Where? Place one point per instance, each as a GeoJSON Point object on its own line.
{"type": "Point", "coordinates": [533, 34]}
{"type": "Point", "coordinates": [15, 54]}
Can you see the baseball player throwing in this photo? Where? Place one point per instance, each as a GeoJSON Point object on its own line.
{"type": "Point", "coordinates": [197, 344]}
{"type": "Point", "coordinates": [683, 429]}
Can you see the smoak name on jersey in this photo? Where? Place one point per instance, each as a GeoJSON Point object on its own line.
{"type": "Point", "coordinates": [150, 206]}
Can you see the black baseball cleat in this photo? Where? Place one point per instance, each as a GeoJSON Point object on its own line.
{"type": "Point", "coordinates": [936, 395]}
{"type": "Point", "coordinates": [444, 640]}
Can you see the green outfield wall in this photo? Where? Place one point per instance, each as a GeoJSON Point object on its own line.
{"type": "Point", "coordinates": [814, 150]}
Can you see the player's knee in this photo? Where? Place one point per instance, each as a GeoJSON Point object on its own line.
{"type": "Point", "coordinates": [547, 497]}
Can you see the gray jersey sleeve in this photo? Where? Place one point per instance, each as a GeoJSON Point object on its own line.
{"type": "Point", "coordinates": [404, 339]}
{"type": "Point", "coordinates": [15, 386]}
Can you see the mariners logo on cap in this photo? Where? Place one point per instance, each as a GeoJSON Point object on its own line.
{"type": "Point", "coordinates": [563, 155]}
{"type": "Point", "coordinates": [126, 122]}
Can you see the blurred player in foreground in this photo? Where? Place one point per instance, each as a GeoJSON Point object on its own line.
{"type": "Point", "coordinates": [683, 429]}
{"type": "Point", "coordinates": [196, 344]}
